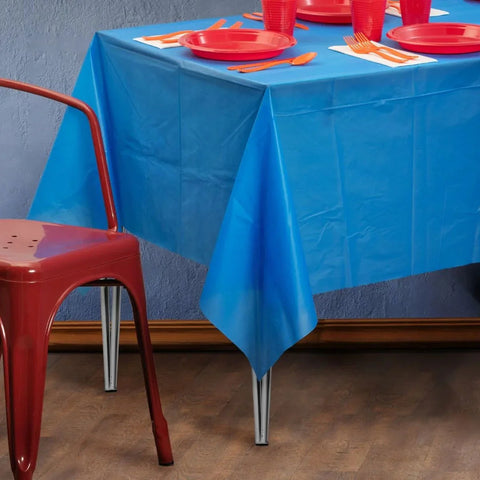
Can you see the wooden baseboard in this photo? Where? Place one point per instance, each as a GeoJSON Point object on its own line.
{"type": "Point", "coordinates": [350, 333]}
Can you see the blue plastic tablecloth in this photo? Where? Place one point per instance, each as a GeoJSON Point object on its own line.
{"type": "Point", "coordinates": [287, 182]}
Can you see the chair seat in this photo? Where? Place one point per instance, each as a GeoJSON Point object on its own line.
{"type": "Point", "coordinates": [32, 251]}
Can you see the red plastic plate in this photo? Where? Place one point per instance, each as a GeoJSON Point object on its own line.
{"type": "Point", "coordinates": [237, 44]}
{"type": "Point", "coordinates": [438, 37]}
{"type": "Point", "coordinates": [325, 11]}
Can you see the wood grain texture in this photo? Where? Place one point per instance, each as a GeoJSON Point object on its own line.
{"type": "Point", "coordinates": [337, 415]}
{"type": "Point", "coordinates": [201, 334]}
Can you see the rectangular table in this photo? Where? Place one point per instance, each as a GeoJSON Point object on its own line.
{"type": "Point", "coordinates": [286, 182]}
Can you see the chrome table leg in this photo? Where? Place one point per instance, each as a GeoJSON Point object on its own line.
{"type": "Point", "coordinates": [261, 406]}
{"type": "Point", "coordinates": [110, 312]}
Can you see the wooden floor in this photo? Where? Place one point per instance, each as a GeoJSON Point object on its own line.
{"type": "Point", "coordinates": [397, 415]}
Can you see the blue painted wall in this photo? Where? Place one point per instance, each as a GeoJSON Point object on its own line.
{"type": "Point", "coordinates": [44, 42]}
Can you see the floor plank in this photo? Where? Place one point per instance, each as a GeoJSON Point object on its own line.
{"type": "Point", "coordinates": [367, 415]}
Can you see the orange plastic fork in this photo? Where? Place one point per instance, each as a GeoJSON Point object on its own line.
{"type": "Point", "coordinates": [218, 24]}
{"type": "Point", "coordinates": [166, 38]}
{"type": "Point", "coordinates": [366, 49]}
{"type": "Point", "coordinates": [175, 40]}
{"type": "Point", "coordinates": [362, 39]}
{"type": "Point", "coordinates": [395, 5]}
{"type": "Point", "coordinates": [235, 25]}
{"type": "Point", "coordinates": [166, 35]}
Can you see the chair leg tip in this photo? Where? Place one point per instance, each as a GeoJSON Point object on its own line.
{"type": "Point", "coordinates": [166, 464]}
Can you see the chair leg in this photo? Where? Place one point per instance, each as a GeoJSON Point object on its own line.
{"type": "Point", "coordinates": [110, 314]}
{"type": "Point", "coordinates": [159, 424]}
{"type": "Point", "coordinates": [25, 332]}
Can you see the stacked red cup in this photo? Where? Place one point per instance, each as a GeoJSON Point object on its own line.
{"type": "Point", "coordinates": [415, 11]}
{"type": "Point", "coordinates": [368, 17]}
{"type": "Point", "coordinates": [279, 15]}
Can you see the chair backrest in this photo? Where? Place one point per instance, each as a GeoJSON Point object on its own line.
{"type": "Point", "coordinates": [96, 138]}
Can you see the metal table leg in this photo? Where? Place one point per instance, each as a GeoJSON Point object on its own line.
{"type": "Point", "coordinates": [110, 312]}
{"type": "Point", "coordinates": [261, 406]}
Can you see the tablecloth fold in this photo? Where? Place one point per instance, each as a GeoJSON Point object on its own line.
{"type": "Point", "coordinates": [258, 268]}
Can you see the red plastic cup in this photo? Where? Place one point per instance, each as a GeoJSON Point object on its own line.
{"type": "Point", "coordinates": [367, 17]}
{"type": "Point", "coordinates": [415, 11]}
{"type": "Point", "coordinates": [279, 15]}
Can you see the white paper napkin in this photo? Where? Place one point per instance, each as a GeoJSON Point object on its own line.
{"type": "Point", "coordinates": [434, 12]}
{"type": "Point", "coordinates": [372, 57]}
{"type": "Point", "coordinates": [159, 43]}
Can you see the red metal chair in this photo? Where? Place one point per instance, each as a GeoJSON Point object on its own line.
{"type": "Point", "coordinates": [40, 264]}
